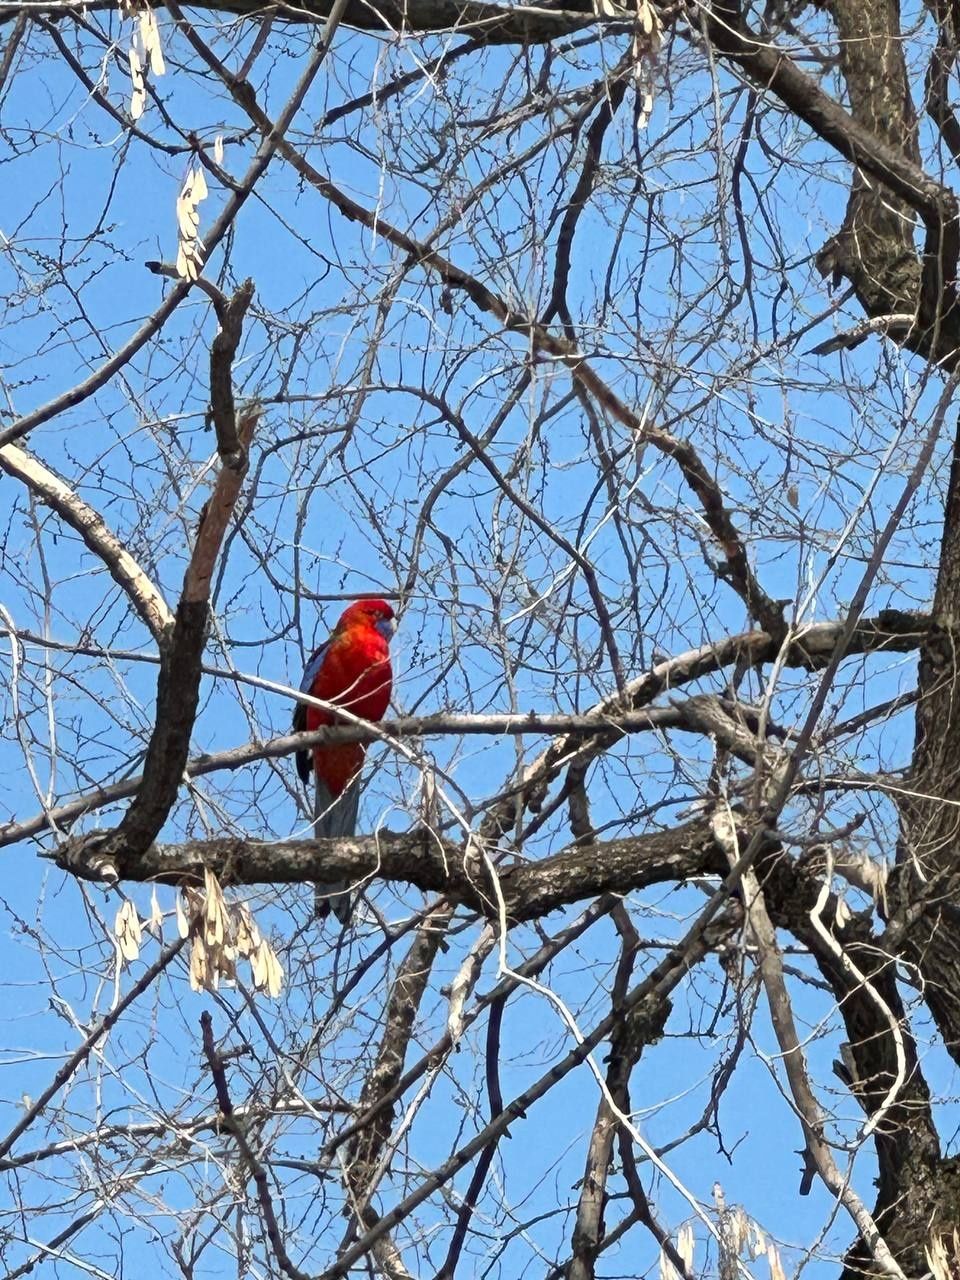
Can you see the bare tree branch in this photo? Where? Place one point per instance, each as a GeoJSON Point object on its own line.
{"type": "Point", "coordinates": [418, 858]}
{"type": "Point", "coordinates": [49, 489]}
{"type": "Point", "coordinates": [82, 1053]}
{"type": "Point", "coordinates": [234, 1125]}
{"type": "Point", "coordinates": [892, 631]}
{"type": "Point", "coordinates": [808, 1109]}
{"type": "Point", "coordinates": [490, 23]}
{"type": "Point", "coordinates": [644, 999]}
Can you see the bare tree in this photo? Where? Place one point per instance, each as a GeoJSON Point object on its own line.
{"type": "Point", "coordinates": [617, 348]}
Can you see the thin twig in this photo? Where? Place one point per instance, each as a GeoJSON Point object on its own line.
{"type": "Point", "coordinates": [80, 1055]}
{"type": "Point", "coordinates": [233, 1125]}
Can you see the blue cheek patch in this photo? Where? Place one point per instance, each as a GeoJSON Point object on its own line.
{"type": "Point", "coordinates": [387, 628]}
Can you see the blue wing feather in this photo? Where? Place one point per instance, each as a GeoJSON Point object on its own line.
{"type": "Point", "coordinates": [314, 663]}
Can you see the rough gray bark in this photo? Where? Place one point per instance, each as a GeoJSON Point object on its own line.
{"type": "Point", "coordinates": [530, 890]}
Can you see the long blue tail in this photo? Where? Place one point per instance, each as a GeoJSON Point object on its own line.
{"type": "Point", "coordinates": [333, 818]}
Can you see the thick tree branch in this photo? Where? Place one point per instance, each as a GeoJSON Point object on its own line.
{"type": "Point", "coordinates": [907, 1147]}
{"type": "Point", "coordinates": [55, 493]}
{"type": "Point", "coordinates": [417, 858]}
{"type": "Point", "coordinates": [771, 69]}
{"type": "Point", "coordinates": [892, 631]}
{"type": "Point", "coordinates": [223, 349]}
{"type": "Point", "coordinates": [491, 24]}
{"type": "Point", "coordinates": [875, 249]}
{"type": "Point", "coordinates": [178, 685]}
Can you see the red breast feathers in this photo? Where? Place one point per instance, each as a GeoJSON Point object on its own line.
{"type": "Point", "coordinates": [355, 673]}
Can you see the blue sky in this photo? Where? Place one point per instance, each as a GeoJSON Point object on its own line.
{"type": "Point", "coordinates": [491, 624]}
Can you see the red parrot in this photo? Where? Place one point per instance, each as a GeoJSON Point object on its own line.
{"type": "Point", "coordinates": [353, 670]}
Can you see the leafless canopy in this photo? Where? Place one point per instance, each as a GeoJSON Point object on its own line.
{"type": "Point", "coordinates": [618, 348]}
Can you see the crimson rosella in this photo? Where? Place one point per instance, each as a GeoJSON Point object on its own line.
{"type": "Point", "coordinates": [352, 670]}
